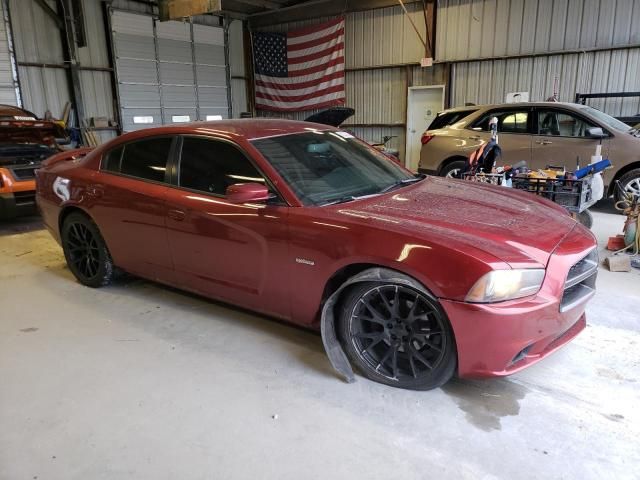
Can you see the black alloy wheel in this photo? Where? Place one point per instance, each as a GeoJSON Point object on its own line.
{"type": "Point", "coordinates": [85, 251]}
{"type": "Point", "coordinates": [398, 336]}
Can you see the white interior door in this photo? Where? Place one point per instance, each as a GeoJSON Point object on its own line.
{"type": "Point", "coordinates": [423, 104]}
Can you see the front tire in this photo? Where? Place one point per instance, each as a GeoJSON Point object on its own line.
{"type": "Point", "coordinates": [630, 183]}
{"type": "Point", "coordinates": [585, 218]}
{"type": "Point", "coordinates": [86, 251]}
{"type": "Point", "coordinates": [398, 336]}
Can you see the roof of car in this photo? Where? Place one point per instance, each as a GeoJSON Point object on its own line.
{"type": "Point", "coordinates": [249, 128]}
{"type": "Point", "coordinates": [510, 105]}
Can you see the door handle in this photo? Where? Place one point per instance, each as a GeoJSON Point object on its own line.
{"type": "Point", "coordinates": [177, 215]}
{"type": "Point", "coordinates": [95, 191]}
{"type": "Point", "coordinates": [543, 142]}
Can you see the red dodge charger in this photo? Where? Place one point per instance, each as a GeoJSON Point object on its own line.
{"type": "Point", "coordinates": [410, 279]}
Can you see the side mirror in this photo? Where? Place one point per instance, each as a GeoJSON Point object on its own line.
{"type": "Point", "coordinates": [595, 132]}
{"type": "Point", "coordinates": [246, 192]}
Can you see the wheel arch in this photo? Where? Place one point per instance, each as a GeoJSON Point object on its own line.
{"type": "Point", "coordinates": [337, 284]}
{"type": "Point", "coordinates": [449, 160]}
{"type": "Point", "coordinates": [68, 210]}
{"type": "Point", "coordinates": [611, 189]}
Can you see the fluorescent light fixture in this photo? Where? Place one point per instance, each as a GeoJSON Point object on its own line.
{"type": "Point", "coordinates": [180, 118]}
{"type": "Point", "coordinates": [214, 117]}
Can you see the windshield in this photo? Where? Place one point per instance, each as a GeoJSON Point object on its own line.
{"type": "Point", "coordinates": [327, 167]}
{"type": "Point", "coordinates": [608, 120]}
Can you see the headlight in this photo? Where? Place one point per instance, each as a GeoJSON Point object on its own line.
{"type": "Point", "coordinates": [500, 285]}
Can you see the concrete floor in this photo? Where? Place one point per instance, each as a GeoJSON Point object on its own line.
{"type": "Point", "coordinates": [140, 381]}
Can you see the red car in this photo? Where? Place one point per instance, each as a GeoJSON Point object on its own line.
{"type": "Point", "coordinates": [409, 278]}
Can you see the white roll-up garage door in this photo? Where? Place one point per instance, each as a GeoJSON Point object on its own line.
{"type": "Point", "coordinates": [168, 72]}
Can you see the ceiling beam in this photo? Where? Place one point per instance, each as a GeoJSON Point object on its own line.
{"type": "Point", "coordinates": [315, 8]}
{"type": "Point", "coordinates": [51, 12]}
{"type": "Point", "coordinates": [261, 3]}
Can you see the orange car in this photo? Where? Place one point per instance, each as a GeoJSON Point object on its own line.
{"type": "Point", "coordinates": [25, 142]}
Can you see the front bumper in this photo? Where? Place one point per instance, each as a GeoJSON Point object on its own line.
{"type": "Point", "coordinates": [497, 341]}
{"type": "Point", "coordinates": [17, 204]}
{"type": "Point", "coordinates": [502, 338]}
{"type": "Point", "coordinates": [17, 197]}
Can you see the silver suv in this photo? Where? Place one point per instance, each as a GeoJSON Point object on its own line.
{"type": "Point", "coordinates": [541, 133]}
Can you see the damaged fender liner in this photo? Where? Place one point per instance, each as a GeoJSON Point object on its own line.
{"type": "Point", "coordinates": [337, 357]}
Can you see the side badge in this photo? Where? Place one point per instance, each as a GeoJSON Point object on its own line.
{"type": "Point", "coordinates": [304, 261]}
{"type": "Point", "coordinates": [61, 188]}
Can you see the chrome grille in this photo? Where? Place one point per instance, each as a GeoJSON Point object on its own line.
{"type": "Point", "coordinates": [581, 281]}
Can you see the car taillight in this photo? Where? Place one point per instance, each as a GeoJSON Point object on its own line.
{"type": "Point", "coordinates": [426, 138]}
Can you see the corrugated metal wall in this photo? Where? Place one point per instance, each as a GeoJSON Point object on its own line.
{"type": "Point", "coordinates": [474, 29]}
{"type": "Point", "coordinates": [488, 81]}
{"type": "Point", "coordinates": [546, 36]}
{"type": "Point", "coordinates": [378, 38]}
{"type": "Point", "coordinates": [8, 94]}
{"type": "Point", "coordinates": [97, 92]}
{"type": "Point", "coordinates": [37, 40]}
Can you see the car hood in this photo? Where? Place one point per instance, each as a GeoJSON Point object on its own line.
{"type": "Point", "coordinates": [516, 227]}
{"type": "Point", "coordinates": [28, 132]}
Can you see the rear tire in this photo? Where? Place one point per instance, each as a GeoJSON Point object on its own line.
{"type": "Point", "coordinates": [396, 335]}
{"type": "Point", "coordinates": [86, 251]}
{"type": "Point", "coordinates": [630, 182]}
{"type": "Point", "coordinates": [453, 169]}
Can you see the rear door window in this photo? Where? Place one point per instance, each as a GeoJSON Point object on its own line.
{"type": "Point", "coordinates": [449, 118]}
{"type": "Point", "coordinates": [509, 121]}
{"type": "Point", "coordinates": [211, 166]}
{"type": "Point", "coordinates": [111, 160]}
{"type": "Point", "coordinates": [144, 159]}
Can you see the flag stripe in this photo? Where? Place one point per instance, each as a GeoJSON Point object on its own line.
{"type": "Point", "coordinates": [300, 78]}
{"type": "Point", "coordinates": [293, 48]}
{"type": "Point", "coordinates": [301, 32]}
{"type": "Point", "coordinates": [296, 86]}
{"type": "Point", "coordinates": [333, 50]}
{"type": "Point", "coordinates": [318, 68]}
{"type": "Point", "coordinates": [321, 46]}
{"type": "Point", "coordinates": [300, 98]}
{"type": "Point", "coordinates": [326, 101]}
{"type": "Point", "coordinates": [317, 89]}
{"type": "Point", "coordinates": [326, 33]}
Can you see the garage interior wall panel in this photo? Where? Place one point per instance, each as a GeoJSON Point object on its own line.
{"type": "Point", "coordinates": [475, 29]}
{"type": "Point", "coordinates": [37, 39]}
{"type": "Point", "coordinates": [479, 36]}
{"type": "Point", "coordinates": [7, 86]}
{"type": "Point", "coordinates": [488, 81]}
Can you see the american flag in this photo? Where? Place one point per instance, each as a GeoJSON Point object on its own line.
{"type": "Point", "coordinates": [300, 70]}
